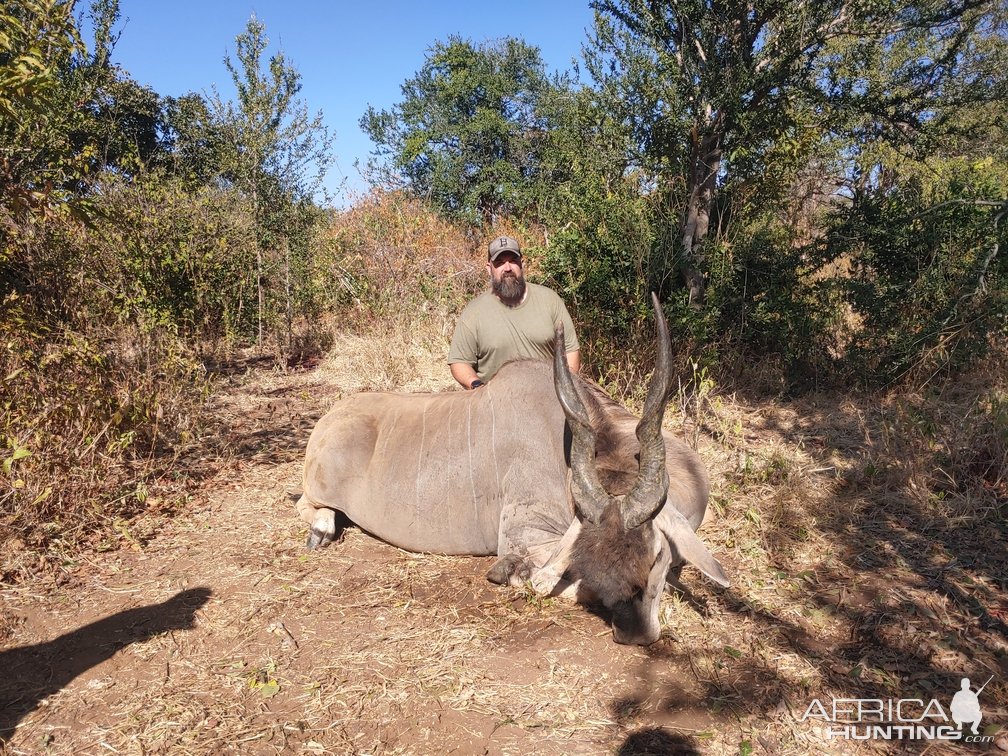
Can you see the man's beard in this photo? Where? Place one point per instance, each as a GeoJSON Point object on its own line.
{"type": "Point", "coordinates": [509, 289]}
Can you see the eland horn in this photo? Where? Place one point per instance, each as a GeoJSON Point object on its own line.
{"type": "Point", "coordinates": [651, 487]}
{"type": "Point", "coordinates": [590, 497]}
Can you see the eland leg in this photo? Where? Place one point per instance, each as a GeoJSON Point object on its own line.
{"type": "Point", "coordinates": [321, 521]}
{"type": "Point", "coordinates": [546, 583]}
{"type": "Point", "coordinates": [552, 578]}
{"type": "Point", "coordinates": [305, 509]}
{"type": "Point", "coordinates": [532, 547]}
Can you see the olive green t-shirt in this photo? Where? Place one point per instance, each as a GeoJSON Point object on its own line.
{"type": "Point", "coordinates": [489, 333]}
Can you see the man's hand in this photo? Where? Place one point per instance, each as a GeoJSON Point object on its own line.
{"type": "Point", "coordinates": [574, 361]}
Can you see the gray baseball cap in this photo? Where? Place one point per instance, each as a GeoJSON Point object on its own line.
{"type": "Point", "coordinates": [503, 244]}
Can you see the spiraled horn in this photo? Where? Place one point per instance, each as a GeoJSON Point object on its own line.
{"type": "Point", "coordinates": [590, 497]}
{"type": "Point", "coordinates": [651, 487]}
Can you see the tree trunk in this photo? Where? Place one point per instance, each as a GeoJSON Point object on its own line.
{"type": "Point", "coordinates": [287, 285]}
{"type": "Point", "coordinates": [705, 163]}
{"type": "Point", "coordinates": [259, 266]}
{"type": "Point", "coordinates": [259, 290]}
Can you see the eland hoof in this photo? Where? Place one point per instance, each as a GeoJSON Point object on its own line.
{"type": "Point", "coordinates": [317, 539]}
{"type": "Point", "coordinates": [323, 529]}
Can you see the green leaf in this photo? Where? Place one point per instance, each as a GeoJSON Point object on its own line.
{"type": "Point", "coordinates": [20, 452]}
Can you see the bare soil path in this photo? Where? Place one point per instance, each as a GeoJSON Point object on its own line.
{"type": "Point", "coordinates": [219, 633]}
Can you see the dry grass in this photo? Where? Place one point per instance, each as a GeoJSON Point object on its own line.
{"type": "Point", "coordinates": [389, 359]}
{"type": "Point", "coordinates": [868, 539]}
{"type": "Point", "coordinates": [865, 538]}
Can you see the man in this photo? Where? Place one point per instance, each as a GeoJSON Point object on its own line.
{"type": "Point", "coordinates": [513, 320]}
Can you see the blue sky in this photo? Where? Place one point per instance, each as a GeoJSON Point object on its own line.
{"type": "Point", "coordinates": [350, 54]}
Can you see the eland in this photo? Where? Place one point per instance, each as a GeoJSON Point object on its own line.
{"type": "Point", "coordinates": [571, 491]}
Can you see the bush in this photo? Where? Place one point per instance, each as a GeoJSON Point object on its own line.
{"type": "Point", "coordinates": [90, 418]}
{"type": "Point", "coordinates": [925, 282]}
{"type": "Point", "coordinates": [99, 385]}
{"type": "Point", "coordinates": [393, 257]}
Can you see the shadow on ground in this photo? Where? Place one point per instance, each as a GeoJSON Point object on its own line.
{"type": "Point", "coordinates": [31, 673]}
{"type": "Point", "coordinates": [250, 424]}
{"type": "Point", "coordinates": [654, 741]}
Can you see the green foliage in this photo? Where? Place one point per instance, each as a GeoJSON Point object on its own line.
{"type": "Point", "coordinates": [270, 149]}
{"type": "Point", "coordinates": [132, 236]}
{"type": "Point", "coordinates": [268, 143]}
{"type": "Point", "coordinates": [91, 409]}
{"type": "Point", "coordinates": [600, 259]}
{"type": "Point", "coordinates": [903, 284]}
{"type": "Point", "coordinates": [195, 145]}
{"type": "Point", "coordinates": [186, 258]}
{"type": "Point", "coordinates": [928, 287]}
{"type": "Point", "coordinates": [767, 299]}
{"type": "Point", "coordinates": [467, 133]}
{"type": "Point", "coordinates": [719, 96]}
{"type": "Point", "coordinates": [209, 203]}
{"type": "Point", "coordinates": [36, 37]}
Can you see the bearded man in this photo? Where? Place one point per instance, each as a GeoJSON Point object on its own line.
{"type": "Point", "coordinates": [513, 320]}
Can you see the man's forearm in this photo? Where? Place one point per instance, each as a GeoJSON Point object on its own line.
{"type": "Point", "coordinates": [464, 373]}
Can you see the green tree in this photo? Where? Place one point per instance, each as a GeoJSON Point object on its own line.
{"type": "Point", "coordinates": [269, 147]}
{"type": "Point", "coordinates": [597, 210]}
{"type": "Point", "coordinates": [117, 122]}
{"type": "Point", "coordinates": [68, 113]}
{"type": "Point", "coordinates": [36, 37]}
{"type": "Point", "coordinates": [195, 144]}
{"type": "Point", "coordinates": [469, 129]}
{"type": "Point", "coordinates": [712, 88]}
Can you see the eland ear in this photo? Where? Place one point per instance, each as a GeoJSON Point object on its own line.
{"type": "Point", "coordinates": [685, 543]}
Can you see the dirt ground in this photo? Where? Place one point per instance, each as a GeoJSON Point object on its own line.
{"type": "Point", "coordinates": [214, 631]}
